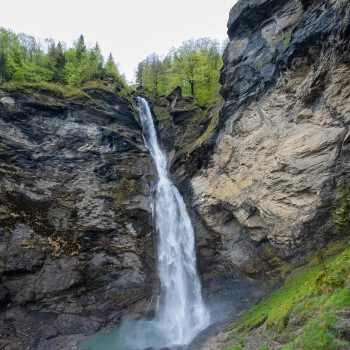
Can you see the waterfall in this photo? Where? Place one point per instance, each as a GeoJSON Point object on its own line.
{"type": "Point", "coordinates": [182, 313]}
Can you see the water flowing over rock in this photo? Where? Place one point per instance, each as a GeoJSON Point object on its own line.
{"type": "Point", "coordinates": [182, 313]}
{"type": "Point", "coordinates": [280, 148]}
{"type": "Point", "coordinates": [259, 174]}
{"type": "Point", "coordinates": [74, 214]}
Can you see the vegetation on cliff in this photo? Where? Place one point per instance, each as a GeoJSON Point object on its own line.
{"type": "Point", "coordinates": [341, 209]}
{"type": "Point", "coordinates": [311, 311]}
{"type": "Point", "coordinates": [25, 61]}
{"type": "Point", "coordinates": [194, 66]}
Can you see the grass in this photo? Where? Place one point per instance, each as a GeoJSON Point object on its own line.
{"type": "Point", "coordinates": [309, 302]}
{"type": "Point", "coordinates": [125, 189]}
{"type": "Point", "coordinates": [97, 85]}
{"type": "Point", "coordinates": [54, 94]}
{"type": "Point", "coordinates": [53, 89]}
{"type": "Point", "coordinates": [214, 121]}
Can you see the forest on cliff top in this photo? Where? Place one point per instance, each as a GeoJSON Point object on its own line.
{"type": "Point", "coordinates": [24, 60]}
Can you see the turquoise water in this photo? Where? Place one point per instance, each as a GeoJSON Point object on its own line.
{"type": "Point", "coordinates": [182, 314]}
{"type": "Point", "coordinates": [130, 335]}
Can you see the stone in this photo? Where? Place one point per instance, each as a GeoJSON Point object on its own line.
{"type": "Point", "coordinates": [75, 215]}
{"type": "Point", "coordinates": [73, 324]}
{"type": "Point", "coordinates": [7, 101]}
{"type": "Point", "coordinates": [49, 332]}
{"type": "Point", "coordinates": [343, 326]}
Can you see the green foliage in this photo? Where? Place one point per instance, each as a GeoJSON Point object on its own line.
{"type": "Point", "coordinates": [286, 40]}
{"type": "Point", "coordinates": [24, 59]}
{"type": "Point", "coordinates": [53, 89]}
{"type": "Point", "coordinates": [236, 347]}
{"type": "Point", "coordinates": [341, 209]}
{"type": "Point", "coordinates": [111, 67]}
{"type": "Point", "coordinates": [125, 188]}
{"type": "Point", "coordinates": [311, 299]}
{"type": "Point", "coordinates": [320, 254]}
{"type": "Point", "coordinates": [194, 66]}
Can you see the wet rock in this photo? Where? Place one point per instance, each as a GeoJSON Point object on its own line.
{"type": "Point", "coordinates": [279, 154]}
{"type": "Point", "coordinates": [74, 207]}
{"type": "Point", "coordinates": [73, 324]}
{"type": "Point", "coordinates": [69, 342]}
{"type": "Point", "coordinates": [343, 326]}
{"type": "Point", "coordinates": [49, 332]}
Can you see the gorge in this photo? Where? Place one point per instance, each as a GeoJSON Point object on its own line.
{"type": "Point", "coordinates": [260, 172]}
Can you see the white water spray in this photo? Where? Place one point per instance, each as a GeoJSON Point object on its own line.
{"type": "Point", "coordinates": [182, 313]}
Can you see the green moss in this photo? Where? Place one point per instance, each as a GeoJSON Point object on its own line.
{"type": "Point", "coordinates": [28, 244]}
{"type": "Point", "coordinates": [254, 324]}
{"type": "Point", "coordinates": [211, 127]}
{"type": "Point", "coordinates": [125, 188]}
{"type": "Point", "coordinates": [97, 85]}
{"type": "Point", "coordinates": [162, 113]}
{"type": "Point", "coordinates": [286, 40]}
{"type": "Point", "coordinates": [260, 64]}
{"type": "Point", "coordinates": [311, 295]}
{"type": "Point", "coordinates": [236, 347]}
{"type": "Point", "coordinates": [126, 92]}
{"type": "Point", "coordinates": [9, 169]}
{"type": "Point", "coordinates": [9, 187]}
{"type": "Point", "coordinates": [341, 209]}
{"type": "Point", "coordinates": [52, 89]}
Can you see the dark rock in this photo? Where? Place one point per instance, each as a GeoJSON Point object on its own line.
{"type": "Point", "coordinates": [49, 332]}
{"type": "Point", "coordinates": [66, 342]}
{"type": "Point", "coordinates": [175, 94]}
{"type": "Point", "coordinates": [343, 326]}
{"type": "Point", "coordinates": [73, 324]}
{"type": "Point", "coordinates": [264, 77]}
{"type": "Point", "coordinates": [74, 209]}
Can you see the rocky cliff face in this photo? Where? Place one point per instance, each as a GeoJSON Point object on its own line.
{"type": "Point", "coordinates": [280, 149]}
{"type": "Point", "coordinates": [75, 222]}
{"type": "Point", "coordinates": [259, 173]}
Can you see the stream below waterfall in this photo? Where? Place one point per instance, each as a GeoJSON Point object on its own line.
{"type": "Point", "coordinates": [181, 313]}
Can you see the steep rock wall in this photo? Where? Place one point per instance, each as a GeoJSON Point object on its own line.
{"type": "Point", "coordinates": [281, 146]}
{"type": "Point", "coordinates": [75, 221]}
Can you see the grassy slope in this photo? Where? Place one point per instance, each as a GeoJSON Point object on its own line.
{"type": "Point", "coordinates": [65, 92]}
{"type": "Point", "coordinates": [306, 312]}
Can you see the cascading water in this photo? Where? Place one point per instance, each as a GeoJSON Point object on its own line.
{"type": "Point", "coordinates": [182, 313]}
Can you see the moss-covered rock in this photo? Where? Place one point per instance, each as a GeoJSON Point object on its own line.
{"type": "Point", "coordinates": [74, 202]}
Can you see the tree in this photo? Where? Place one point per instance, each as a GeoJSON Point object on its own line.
{"type": "Point", "coordinates": [80, 47]}
{"type": "Point", "coordinates": [154, 72]}
{"type": "Point", "coordinates": [22, 57]}
{"type": "Point", "coordinates": [8, 44]}
{"type": "Point", "coordinates": [95, 62]}
{"type": "Point", "coordinates": [140, 71]}
{"type": "Point", "coordinates": [28, 44]}
{"type": "Point", "coordinates": [111, 67]}
{"type": "Point", "coordinates": [196, 67]}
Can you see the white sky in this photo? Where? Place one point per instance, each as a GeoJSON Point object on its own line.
{"type": "Point", "coordinates": [130, 29]}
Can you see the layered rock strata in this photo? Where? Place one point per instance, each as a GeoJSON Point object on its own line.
{"type": "Point", "coordinates": [75, 222]}
{"type": "Point", "coordinates": [281, 145]}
